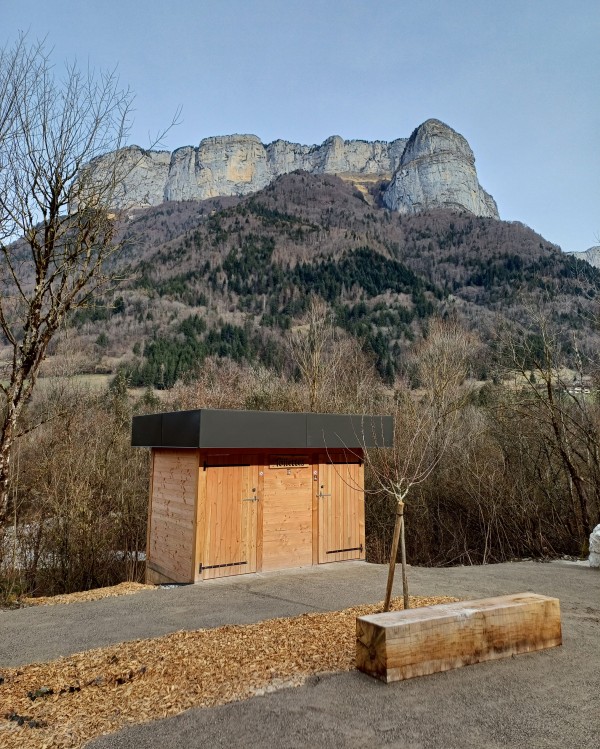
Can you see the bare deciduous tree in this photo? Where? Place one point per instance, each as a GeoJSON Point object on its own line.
{"type": "Point", "coordinates": [565, 416]}
{"type": "Point", "coordinates": [424, 425]}
{"type": "Point", "coordinates": [57, 232]}
{"type": "Point", "coordinates": [335, 372]}
{"type": "Point", "coordinates": [309, 347]}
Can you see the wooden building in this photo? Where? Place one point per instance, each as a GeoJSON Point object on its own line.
{"type": "Point", "coordinates": [233, 492]}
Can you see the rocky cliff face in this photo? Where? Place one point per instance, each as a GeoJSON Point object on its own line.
{"type": "Point", "coordinates": [591, 256]}
{"type": "Point", "coordinates": [434, 168]}
{"type": "Point", "coordinates": [437, 170]}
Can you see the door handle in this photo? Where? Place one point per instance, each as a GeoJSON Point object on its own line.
{"type": "Point", "coordinates": [254, 498]}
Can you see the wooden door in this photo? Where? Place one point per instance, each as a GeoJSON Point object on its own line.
{"type": "Point", "coordinates": [341, 512]}
{"type": "Point", "coordinates": [287, 516]}
{"type": "Point", "coordinates": [230, 520]}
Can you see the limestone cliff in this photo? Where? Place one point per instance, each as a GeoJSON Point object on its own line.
{"type": "Point", "coordinates": [591, 256]}
{"type": "Point", "coordinates": [434, 168]}
{"type": "Point", "coordinates": [437, 170]}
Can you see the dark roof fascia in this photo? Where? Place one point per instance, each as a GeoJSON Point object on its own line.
{"type": "Point", "coordinates": [225, 428]}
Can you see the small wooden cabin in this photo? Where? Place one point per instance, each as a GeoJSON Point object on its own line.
{"type": "Point", "coordinates": [233, 492]}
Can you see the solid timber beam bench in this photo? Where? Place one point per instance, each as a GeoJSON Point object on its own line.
{"type": "Point", "coordinates": [401, 644]}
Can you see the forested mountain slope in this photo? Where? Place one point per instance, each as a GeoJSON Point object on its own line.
{"type": "Point", "coordinates": [230, 276]}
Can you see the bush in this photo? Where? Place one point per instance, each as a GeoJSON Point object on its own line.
{"type": "Point", "coordinates": [80, 519]}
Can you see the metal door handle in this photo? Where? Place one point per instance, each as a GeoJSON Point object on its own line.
{"type": "Point", "coordinates": [250, 499]}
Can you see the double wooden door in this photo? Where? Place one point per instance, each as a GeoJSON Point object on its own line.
{"type": "Point", "coordinates": [258, 517]}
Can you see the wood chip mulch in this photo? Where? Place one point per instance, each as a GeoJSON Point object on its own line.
{"type": "Point", "coordinates": [69, 701]}
{"type": "Point", "coordinates": [123, 589]}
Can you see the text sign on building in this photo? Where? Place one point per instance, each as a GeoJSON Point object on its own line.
{"type": "Point", "coordinates": [288, 461]}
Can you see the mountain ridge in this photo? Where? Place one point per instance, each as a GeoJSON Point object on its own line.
{"type": "Point", "coordinates": [434, 168]}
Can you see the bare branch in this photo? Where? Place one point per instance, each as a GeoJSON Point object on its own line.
{"type": "Point", "coordinates": [57, 226]}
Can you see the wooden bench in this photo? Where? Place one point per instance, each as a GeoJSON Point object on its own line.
{"type": "Point", "coordinates": [401, 644]}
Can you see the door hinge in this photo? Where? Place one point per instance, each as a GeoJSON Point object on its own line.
{"type": "Point", "coordinates": [339, 551]}
{"type": "Point", "coordinates": [218, 566]}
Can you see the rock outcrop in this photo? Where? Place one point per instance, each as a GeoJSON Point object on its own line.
{"type": "Point", "coordinates": [434, 168]}
{"type": "Point", "coordinates": [437, 170]}
{"type": "Point", "coordinates": [591, 256]}
{"type": "Point", "coordinates": [146, 173]}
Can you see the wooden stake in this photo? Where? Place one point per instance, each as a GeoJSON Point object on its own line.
{"type": "Point", "coordinates": [394, 553]}
{"type": "Point", "coordinates": [403, 557]}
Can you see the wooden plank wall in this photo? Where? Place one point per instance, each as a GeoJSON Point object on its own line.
{"type": "Point", "coordinates": [287, 512]}
{"type": "Point", "coordinates": [171, 533]}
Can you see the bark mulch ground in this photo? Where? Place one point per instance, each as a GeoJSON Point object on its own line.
{"type": "Point", "coordinates": [69, 701]}
{"type": "Point", "coordinates": [122, 589]}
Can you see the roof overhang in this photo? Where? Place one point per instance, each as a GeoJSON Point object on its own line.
{"type": "Point", "coordinates": [223, 428]}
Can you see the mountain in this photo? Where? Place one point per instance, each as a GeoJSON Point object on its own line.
{"type": "Point", "coordinates": [591, 256]}
{"type": "Point", "coordinates": [230, 276]}
{"type": "Point", "coordinates": [434, 168]}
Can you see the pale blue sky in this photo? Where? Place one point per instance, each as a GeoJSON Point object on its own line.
{"type": "Point", "coordinates": [520, 79]}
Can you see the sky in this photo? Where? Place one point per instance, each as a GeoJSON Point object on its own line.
{"type": "Point", "coordinates": [520, 79]}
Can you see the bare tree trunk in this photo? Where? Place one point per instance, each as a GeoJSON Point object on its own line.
{"type": "Point", "coordinates": [7, 436]}
{"type": "Point", "coordinates": [16, 394]}
{"type": "Point", "coordinates": [392, 567]}
{"type": "Point", "coordinates": [398, 538]}
{"type": "Point", "coordinates": [581, 505]}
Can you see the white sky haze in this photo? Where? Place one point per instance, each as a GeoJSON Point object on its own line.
{"type": "Point", "coordinates": [520, 79]}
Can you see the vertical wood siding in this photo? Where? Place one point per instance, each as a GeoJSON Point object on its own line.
{"type": "Point", "coordinates": [171, 537]}
{"type": "Point", "coordinates": [287, 518]}
{"type": "Point", "coordinates": [204, 522]}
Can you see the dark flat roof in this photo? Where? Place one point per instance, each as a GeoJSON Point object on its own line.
{"type": "Point", "coordinates": [208, 428]}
